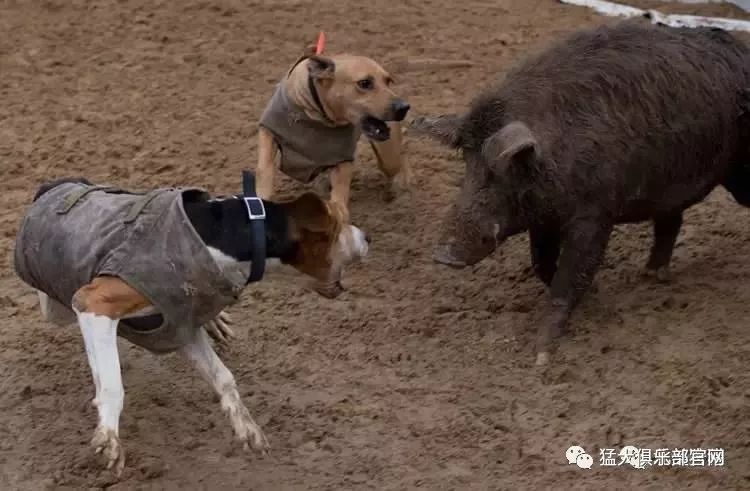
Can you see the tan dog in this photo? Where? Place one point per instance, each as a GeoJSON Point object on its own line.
{"type": "Point", "coordinates": [316, 116]}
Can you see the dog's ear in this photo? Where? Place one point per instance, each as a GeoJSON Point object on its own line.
{"type": "Point", "coordinates": [309, 212]}
{"type": "Point", "coordinates": [321, 67]}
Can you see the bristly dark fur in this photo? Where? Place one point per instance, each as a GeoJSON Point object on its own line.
{"type": "Point", "coordinates": [614, 124]}
{"type": "Point", "coordinates": [619, 108]}
{"type": "Point", "coordinates": [52, 184]}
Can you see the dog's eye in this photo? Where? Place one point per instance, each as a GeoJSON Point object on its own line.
{"type": "Point", "coordinates": [365, 84]}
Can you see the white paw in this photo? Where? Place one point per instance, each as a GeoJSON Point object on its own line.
{"type": "Point", "coordinates": [542, 359]}
{"type": "Point", "coordinates": [106, 442]}
{"type": "Point", "coordinates": [248, 432]}
{"type": "Point", "coordinates": [219, 329]}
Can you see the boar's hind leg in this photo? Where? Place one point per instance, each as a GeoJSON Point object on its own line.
{"type": "Point", "coordinates": [583, 249]}
{"type": "Point", "coordinates": [545, 248]}
{"type": "Point", "coordinates": [666, 229]}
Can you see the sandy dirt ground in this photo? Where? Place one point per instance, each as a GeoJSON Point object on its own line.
{"type": "Point", "coordinates": [419, 376]}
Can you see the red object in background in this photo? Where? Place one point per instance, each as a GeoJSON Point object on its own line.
{"type": "Point", "coordinates": [321, 43]}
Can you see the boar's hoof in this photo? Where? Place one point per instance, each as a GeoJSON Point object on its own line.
{"type": "Point", "coordinates": [542, 359]}
{"type": "Point", "coordinates": [660, 274]}
{"type": "Point", "coordinates": [443, 255]}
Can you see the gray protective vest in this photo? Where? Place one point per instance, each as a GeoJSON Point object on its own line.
{"type": "Point", "coordinates": [74, 233]}
{"type": "Point", "coordinates": [308, 147]}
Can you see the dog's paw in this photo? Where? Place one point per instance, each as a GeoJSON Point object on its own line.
{"type": "Point", "coordinates": [249, 433]}
{"type": "Point", "coordinates": [106, 442]}
{"type": "Point", "coordinates": [398, 185]}
{"type": "Point", "coordinates": [219, 330]}
{"type": "Point", "coordinates": [255, 439]}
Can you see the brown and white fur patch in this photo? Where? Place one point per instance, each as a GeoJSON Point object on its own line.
{"type": "Point", "coordinates": [310, 236]}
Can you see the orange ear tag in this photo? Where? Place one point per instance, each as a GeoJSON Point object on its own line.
{"type": "Point", "coordinates": [321, 43]}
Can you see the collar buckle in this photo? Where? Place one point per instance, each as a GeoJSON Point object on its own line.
{"type": "Point", "coordinates": [255, 208]}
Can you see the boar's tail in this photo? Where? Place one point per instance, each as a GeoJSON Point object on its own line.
{"type": "Point", "coordinates": [63, 180]}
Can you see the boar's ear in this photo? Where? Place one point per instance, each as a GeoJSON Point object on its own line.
{"type": "Point", "coordinates": [444, 128]}
{"type": "Point", "coordinates": [513, 144]}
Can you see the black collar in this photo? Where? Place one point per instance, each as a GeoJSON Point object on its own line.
{"type": "Point", "coordinates": [256, 213]}
{"type": "Point", "coordinates": [316, 98]}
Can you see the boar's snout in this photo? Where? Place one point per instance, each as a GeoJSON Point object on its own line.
{"type": "Point", "coordinates": [444, 255]}
{"type": "Point", "coordinates": [453, 254]}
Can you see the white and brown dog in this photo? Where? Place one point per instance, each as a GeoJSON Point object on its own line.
{"type": "Point", "coordinates": [159, 268]}
{"type": "Point", "coordinates": [316, 116]}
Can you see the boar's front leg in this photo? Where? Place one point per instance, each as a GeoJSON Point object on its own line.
{"type": "Point", "coordinates": [545, 249]}
{"type": "Point", "coordinates": [584, 243]}
{"type": "Point", "coordinates": [666, 229]}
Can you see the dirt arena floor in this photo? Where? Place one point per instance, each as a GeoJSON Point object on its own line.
{"type": "Point", "coordinates": [419, 376]}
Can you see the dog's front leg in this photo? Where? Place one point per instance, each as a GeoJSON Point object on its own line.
{"type": "Point", "coordinates": [100, 338]}
{"type": "Point", "coordinates": [391, 161]}
{"type": "Point", "coordinates": [219, 329]}
{"type": "Point", "coordinates": [202, 356]}
{"type": "Point", "coordinates": [266, 170]}
{"type": "Point", "coordinates": [341, 184]}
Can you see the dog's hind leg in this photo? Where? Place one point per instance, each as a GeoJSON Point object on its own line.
{"type": "Point", "coordinates": [202, 356]}
{"type": "Point", "coordinates": [100, 337]}
{"type": "Point", "coordinates": [99, 306]}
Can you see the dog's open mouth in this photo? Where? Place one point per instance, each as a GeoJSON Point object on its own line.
{"type": "Point", "coordinates": [375, 129]}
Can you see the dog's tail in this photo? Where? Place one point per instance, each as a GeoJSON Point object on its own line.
{"type": "Point", "coordinates": [63, 180]}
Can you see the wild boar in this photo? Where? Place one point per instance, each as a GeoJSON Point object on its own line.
{"type": "Point", "coordinates": [737, 180]}
{"type": "Point", "coordinates": [612, 125]}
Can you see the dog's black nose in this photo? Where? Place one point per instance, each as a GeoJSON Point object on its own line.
{"type": "Point", "coordinates": [368, 239]}
{"type": "Point", "coordinates": [400, 108]}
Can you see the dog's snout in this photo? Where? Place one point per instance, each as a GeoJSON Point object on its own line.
{"type": "Point", "coordinates": [400, 108]}
{"type": "Point", "coordinates": [368, 239]}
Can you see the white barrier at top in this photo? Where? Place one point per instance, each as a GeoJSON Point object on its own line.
{"type": "Point", "coordinates": [673, 20]}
